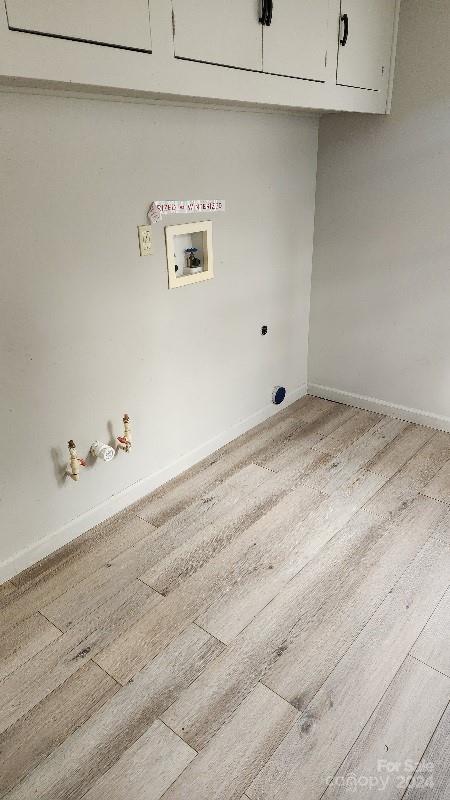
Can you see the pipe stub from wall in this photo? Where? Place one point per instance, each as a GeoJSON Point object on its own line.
{"type": "Point", "coordinates": [278, 395]}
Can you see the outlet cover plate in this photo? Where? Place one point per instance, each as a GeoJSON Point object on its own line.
{"type": "Point", "coordinates": [145, 240]}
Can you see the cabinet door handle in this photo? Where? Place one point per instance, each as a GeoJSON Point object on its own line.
{"type": "Point", "coordinates": [266, 12]}
{"type": "Point", "coordinates": [263, 16]}
{"type": "Point", "coordinates": [344, 19]}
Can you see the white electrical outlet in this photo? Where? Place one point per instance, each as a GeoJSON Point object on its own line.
{"type": "Point", "coordinates": [145, 239]}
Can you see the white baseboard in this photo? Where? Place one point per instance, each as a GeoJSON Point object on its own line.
{"type": "Point", "coordinates": [53, 541]}
{"type": "Point", "coordinates": [415, 415]}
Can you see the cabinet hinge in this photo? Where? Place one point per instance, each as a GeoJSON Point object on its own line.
{"type": "Point", "coordinates": [173, 23]}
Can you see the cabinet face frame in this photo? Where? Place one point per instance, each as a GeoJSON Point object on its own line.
{"type": "Point", "coordinates": [204, 228]}
{"type": "Point", "coordinates": [390, 81]}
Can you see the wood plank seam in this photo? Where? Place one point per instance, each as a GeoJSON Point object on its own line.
{"type": "Point", "coordinates": [376, 419]}
{"type": "Point", "coordinates": [448, 588]}
{"type": "Point", "coordinates": [376, 514]}
{"type": "Point", "coordinates": [437, 604]}
{"type": "Point", "coordinates": [125, 514]}
{"type": "Point", "coordinates": [332, 430]}
{"type": "Point", "coordinates": [194, 625]}
{"type": "Point", "coordinates": [264, 466]}
{"type": "Point", "coordinates": [332, 538]}
{"type": "Point", "coordinates": [388, 688]}
{"type": "Point", "coordinates": [260, 721]}
{"type": "Point", "coordinates": [335, 535]}
{"type": "Point", "coordinates": [425, 663]}
{"type": "Point", "coordinates": [48, 620]}
{"type": "Point", "coordinates": [209, 634]}
{"type": "Point", "coordinates": [215, 458]}
{"type": "Point", "coordinates": [9, 649]}
{"type": "Point", "coordinates": [196, 622]}
{"type": "Point", "coordinates": [105, 672]}
{"type": "Point", "coordinates": [440, 500]}
{"type": "Point", "coordinates": [372, 615]}
{"type": "Point", "coordinates": [274, 771]}
{"type": "Point", "coordinates": [129, 712]}
{"type": "Point", "coordinates": [428, 744]}
{"type": "Point", "coordinates": [403, 467]}
{"type": "Point", "coordinates": [71, 651]}
{"type": "Point", "coordinates": [9, 736]}
{"type": "Point", "coordinates": [278, 695]}
{"type": "Point", "coordinates": [411, 457]}
{"type": "Point", "coordinates": [139, 578]}
{"type": "Point", "coordinates": [47, 580]}
{"type": "Point", "coordinates": [406, 566]}
{"type": "Point", "coordinates": [175, 734]}
{"type": "Point", "coordinates": [367, 722]}
{"type": "Point", "coordinates": [295, 722]}
{"type": "Point", "coordinates": [142, 519]}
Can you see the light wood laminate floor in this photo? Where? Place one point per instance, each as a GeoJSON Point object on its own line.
{"type": "Point", "coordinates": [271, 625]}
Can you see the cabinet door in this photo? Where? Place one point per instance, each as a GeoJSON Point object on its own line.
{"type": "Point", "coordinates": [364, 58]}
{"type": "Point", "coordinates": [295, 44]}
{"type": "Point", "coordinates": [111, 22]}
{"type": "Point", "coordinates": [218, 32]}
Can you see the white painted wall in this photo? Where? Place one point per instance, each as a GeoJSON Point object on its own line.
{"type": "Point", "coordinates": [380, 321]}
{"type": "Point", "coordinates": [89, 330]}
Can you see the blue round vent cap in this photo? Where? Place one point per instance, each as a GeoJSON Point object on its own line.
{"type": "Point", "coordinates": [278, 395]}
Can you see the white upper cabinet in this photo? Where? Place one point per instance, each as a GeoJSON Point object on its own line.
{"type": "Point", "coordinates": [218, 32]}
{"type": "Point", "coordinates": [365, 43]}
{"type": "Point", "coordinates": [109, 22]}
{"type": "Point", "coordinates": [295, 42]}
{"type": "Point", "coordinates": [280, 53]}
